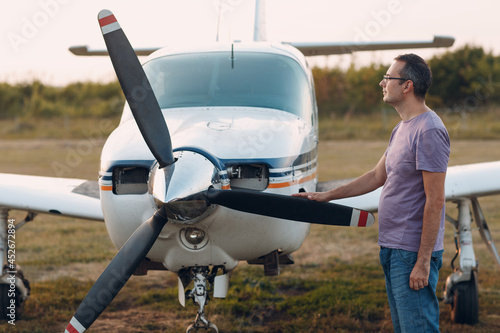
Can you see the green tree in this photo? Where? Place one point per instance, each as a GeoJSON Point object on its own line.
{"type": "Point", "coordinates": [464, 78]}
{"type": "Point", "coordinates": [348, 92]}
{"type": "Point", "coordinates": [364, 93]}
{"type": "Point", "coordinates": [331, 91]}
{"type": "Point", "coordinates": [11, 101]}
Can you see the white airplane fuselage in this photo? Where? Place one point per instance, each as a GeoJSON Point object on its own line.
{"type": "Point", "coordinates": [263, 133]}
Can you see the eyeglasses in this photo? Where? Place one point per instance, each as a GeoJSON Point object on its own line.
{"type": "Point", "coordinates": [387, 77]}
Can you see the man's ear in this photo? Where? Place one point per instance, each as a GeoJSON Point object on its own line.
{"type": "Point", "coordinates": [408, 86]}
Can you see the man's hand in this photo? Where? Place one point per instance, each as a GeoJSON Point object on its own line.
{"type": "Point", "coordinates": [419, 277]}
{"type": "Point", "coordinates": [317, 196]}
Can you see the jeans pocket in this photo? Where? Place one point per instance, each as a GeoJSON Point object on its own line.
{"type": "Point", "coordinates": [407, 257]}
{"type": "Point", "coordinates": [437, 259]}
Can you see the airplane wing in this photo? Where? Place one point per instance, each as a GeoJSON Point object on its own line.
{"type": "Point", "coordinates": [462, 181]}
{"type": "Point", "coordinates": [327, 48]}
{"type": "Point", "coordinates": [83, 50]}
{"type": "Point", "coordinates": [59, 196]}
{"type": "Point", "coordinates": [307, 48]}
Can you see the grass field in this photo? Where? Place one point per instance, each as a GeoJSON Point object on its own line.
{"type": "Point", "coordinates": [336, 284]}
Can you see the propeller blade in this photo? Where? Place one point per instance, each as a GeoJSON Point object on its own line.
{"type": "Point", "coordinates": [137, 89]}
{"type": "Point", "coordinates": [290, 208]}
{"type": "Point", "coordinates": [117, 273]}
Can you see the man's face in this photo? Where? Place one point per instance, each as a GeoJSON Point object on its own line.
{"type": "Point", "coordinates": [392, 86]}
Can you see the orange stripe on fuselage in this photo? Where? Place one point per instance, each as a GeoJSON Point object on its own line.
{"type": "Point", "coordinates": [106, 188]}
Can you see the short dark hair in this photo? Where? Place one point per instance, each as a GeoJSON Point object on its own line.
{"type": "Point", "coordinates": [418, 71]}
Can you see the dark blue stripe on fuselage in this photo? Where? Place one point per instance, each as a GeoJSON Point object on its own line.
{"type": "Point", "coordinates": [272, 163]}
{"type": "Point", "coordinates": [279, 162]}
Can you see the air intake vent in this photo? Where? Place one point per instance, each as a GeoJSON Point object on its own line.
{"type": "Point", "coordinates": [249, 176]}
{"type": "Point", "coordinates": [130, 180]}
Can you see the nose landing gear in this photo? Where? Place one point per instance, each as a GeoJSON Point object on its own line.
{"type": "Point", "coordinates": [200, 296]}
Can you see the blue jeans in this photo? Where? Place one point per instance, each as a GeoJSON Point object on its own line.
{"type": "Point", "coordinates": [411, 310]}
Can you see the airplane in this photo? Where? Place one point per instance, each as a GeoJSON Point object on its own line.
{"type": "Point", "coordinates": [198, 176]}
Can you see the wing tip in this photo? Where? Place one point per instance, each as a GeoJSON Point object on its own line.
{"type": "Point", "coordinates": [443, 41]}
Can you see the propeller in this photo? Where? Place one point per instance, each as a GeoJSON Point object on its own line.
{"type": "Point", "coordinates": [149, 118]}
{"type": "Point", "coordinates": [290, 208]}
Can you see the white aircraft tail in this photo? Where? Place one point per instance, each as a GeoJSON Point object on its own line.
{"type": "Point", "coordinates": [259, 32]}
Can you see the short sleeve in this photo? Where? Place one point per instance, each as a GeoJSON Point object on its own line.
{"type": "Point", "coordinates": [433, 150]}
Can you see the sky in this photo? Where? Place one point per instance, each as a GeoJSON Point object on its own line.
{"type": "Point", "coordinates": [35, 34]}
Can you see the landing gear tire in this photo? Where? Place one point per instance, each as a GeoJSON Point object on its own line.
{"type": "Point", "coordinates": [210, 329]}
{"type": "Point", "coordinates": [465, 307]}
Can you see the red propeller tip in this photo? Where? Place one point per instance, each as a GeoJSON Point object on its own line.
{"type": "Point", "coordinates": [107, 21]}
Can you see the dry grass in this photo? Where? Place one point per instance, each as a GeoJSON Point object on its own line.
{"type": "Point", "coordinates": [476, 123]}
{"type": "Point", "coordinates": [336, 281]}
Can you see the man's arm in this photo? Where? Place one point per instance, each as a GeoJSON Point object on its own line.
{"type": "Point", "coordinates": [364, 184]}
{"type": "Point", "coordinates": [435, 199]}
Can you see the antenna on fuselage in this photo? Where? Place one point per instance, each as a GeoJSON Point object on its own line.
{"type": "Point", "coordinates": [259, 31]}
{"type": "Point", "coordinates": [232, 55]}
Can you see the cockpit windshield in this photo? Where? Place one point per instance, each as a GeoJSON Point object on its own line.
{"type": "Point", "coordinates": [263, 80]}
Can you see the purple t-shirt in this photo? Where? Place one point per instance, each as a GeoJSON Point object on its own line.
{"type": "Point", "coordinates": [421, 143]}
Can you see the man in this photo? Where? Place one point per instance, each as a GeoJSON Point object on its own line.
{"type": "Point", "coordinates": [411, 207]}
